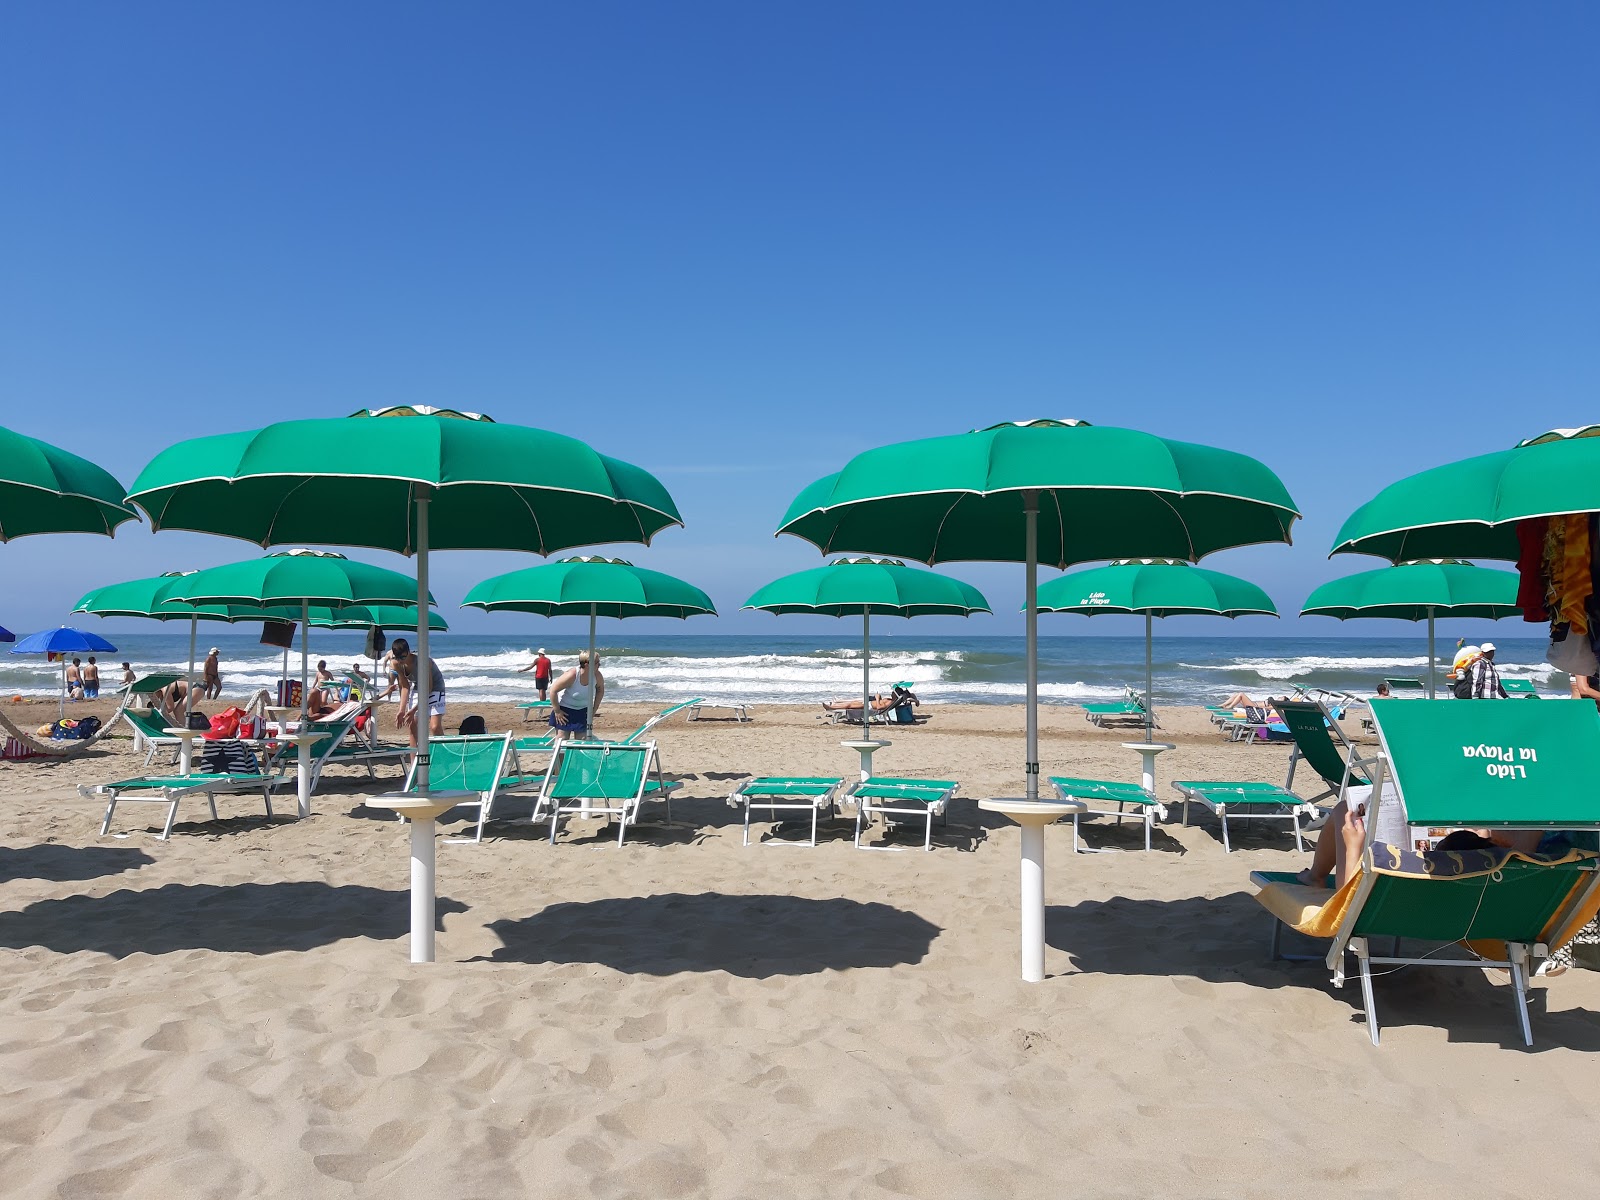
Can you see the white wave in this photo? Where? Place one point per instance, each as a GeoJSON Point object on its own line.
{"type": "Point", "coordinates": [1294, 668]}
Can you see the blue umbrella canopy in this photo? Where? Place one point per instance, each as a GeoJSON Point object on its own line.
{"type": "Point", "coordinates": [6, 635]}
{"type": "Point", "coordinates": [64, 640]}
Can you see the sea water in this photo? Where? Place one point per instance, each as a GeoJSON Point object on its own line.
{"type": "Point", "coordinates": [806, 670]}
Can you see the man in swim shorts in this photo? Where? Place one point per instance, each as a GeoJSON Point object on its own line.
{"type": "Point", "coordinates": [405, 665]}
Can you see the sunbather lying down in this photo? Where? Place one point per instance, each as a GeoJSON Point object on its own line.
{"type": "Point", "coordinates": [880, 702]}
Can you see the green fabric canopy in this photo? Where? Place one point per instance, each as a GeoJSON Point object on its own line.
{"type": "Point", "coordinates": [1059, 492]}
{"type": "Point", "coordinates": [1154, 588]}
{"type": "Point", "coordinates": [1103, 493]}
{"type": "Point", "coordinates": [1416, 591]}
{"type": "Point", "coordinates": [43, 489]}
{"type": "Point", "coordinates": [299, 577]}
{"type": "Point", "coordinates": [1469, 509]}
{"type": "Point", "coordinates": [853, 587]}
{"type": "Point", "coordinates": [866, 587]}
{"type": "Point", "coordinates": [590, 586]}
{"type": "Point", "coordinates": [1419, 591]}
{"type": "Point", "coordinates": [351, 481]}
{"type": "Point", "coordinates": [374, 616]}
{"type": "Point", "coordinates": [158, 599]}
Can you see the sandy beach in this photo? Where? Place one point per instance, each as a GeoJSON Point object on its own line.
{"type": "Point", "coordinates": [232, 1013]}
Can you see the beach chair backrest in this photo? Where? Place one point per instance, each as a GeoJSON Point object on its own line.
{"type": "Point", "coordinates": [601, 770]}
{"type": "Point", "coordinates": [147, 721]}
{"type": "Point", "coordinates": [467, 764]}
{"type": "Point", "coordinates": [1307, 723]}
{"type": "Point", "coordinates": [1494, 763]}
{"type": "Point", "coordinates": [1518, 908]}
{"type": "Point", "coordinates": [1520, 687]}
{"type": "Point", "coordinates": [656, 720]}
{"type": "Point", "coordinates": [147, 685]}
{"type": "Point", "coordinates": [1411, 686]}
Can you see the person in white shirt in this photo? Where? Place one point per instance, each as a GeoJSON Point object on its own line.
{"type": "Point", "coordinates": [575, 697]}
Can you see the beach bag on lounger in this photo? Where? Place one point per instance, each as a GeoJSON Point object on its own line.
{"type": "Point", "coordinates": [229, 756]}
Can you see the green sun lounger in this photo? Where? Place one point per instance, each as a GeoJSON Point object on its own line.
{"type": "Point", "coordinates": [172, 790]}
{"type": "Point", "coordinates": [1520, 689]}
{"type": "Point", "coordinates": [150, 726]}
{"type": "Point", "coordinates": [892, 797]}
{"type": "Point", "coordinates": [485, 764]}
{"type": "Point", "coordinates": [602, 778]}
{"type": "Point", "coordinates": [1494, 764]}
{"type": "Point", "coordinates": [529, 707]}
{"type": "Point", "coordinates": [1145, 807]}
{"type": "Point", "coordinates": [815, 794]}
{"type": "Point", "coordinates": [1244, 800]}
{"type": "Point", "coordinates": [1130, 710]}
{"type": "Point", "coordinates": [1406, 689]}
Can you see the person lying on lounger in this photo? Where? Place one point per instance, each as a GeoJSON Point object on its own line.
{"type": "Point", "coordinates": [880, 702]}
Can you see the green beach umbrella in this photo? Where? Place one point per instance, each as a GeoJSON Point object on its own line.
{"type": "Point", "coordinates": [43, 489]}
{"type": "Point", "coordinates": [1057, 492]}
{"type": "Point", "coordinates": [157, 599]}
{"type": "Point", "coordinates": [409, 479]}
{"type": "Point", "coordinates": [1469, 509]}
{"type": "Point", "coordinates": [1156, 588]}
{"type": "Point", "coordinates": [1419, 591]}
{"type": "Point", "coordinates": [590, 586]}
{"type": "Point", "coordinates": [300, 579]}
{"type": "Point", "coordinates": [866, 587]}
{"type": "Point", "coordinates": [374, 616]}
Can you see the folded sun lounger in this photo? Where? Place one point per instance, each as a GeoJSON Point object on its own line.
{"type": "Point", "coordinates": [788, 793]}
{"type": "Point", "coordinates": [1237, 800]}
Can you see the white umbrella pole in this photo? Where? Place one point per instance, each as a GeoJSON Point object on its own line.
{"type": "Point", "coordinates": [866, 672]}
{"type": "Point", "coordinates": [424, 679]}
{"type": "Point", "coordinates": [1433, 669]}
{"type": "Point", "coordinates": [305, 656]}
{"type": "Point", "coordinates": [594, 668]}
{"type": "Point", "coordinates": [61, 700]}
{"type": "Point", "coordinates": [1149, 701]}
{"type": "Point", "coordinates": [1030, 582]}
{"type": "Point", "coordinates": [188, 694]}
{"type": "Point", "coordinates": [283, 676]}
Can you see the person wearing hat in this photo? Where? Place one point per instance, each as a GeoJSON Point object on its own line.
{"type": "Point", "coordinates": [541, 674]}
{"type": "Point", "coordinates": [1486, 683]}
{"type": "Point", "coordinates": [211, 683]}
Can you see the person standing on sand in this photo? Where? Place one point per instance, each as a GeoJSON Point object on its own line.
{"type": "Point", "coordinates": [127, 674]}
{"type": "Point", "coordinates": [323, 674]}
{"type": "Point", "coordinates": [212, 686]}
{"type": "Point", "coordinates": [541, 674]}
{"type": "Point", "coordinates": [405, 666]}
{"type": "Point", "coordinates": [75, 680]}
{"type": "Point", "coordinates": [575, 697]}
{"type": "Point", "coordinates": [91, 680]}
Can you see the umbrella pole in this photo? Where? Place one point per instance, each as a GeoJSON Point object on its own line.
{"type": "Point", "coordinates": [61, 700]}
{"type": "Point", "coordinates": [305, 655]}
{"type": "Point", "coordinates": [594, 668]}
{"type": "Point", "coordinates": [1149, 699]}
{"type": "Point", "coordinates": [1030, 582]}
{"type": "Point", "coordinates": [1433, 666]}
{"type": "Point", "coordinates": [866, 673]}
{"type": "Point", "coordinates": [188, 691]}
{"type": "Point", "coordinates": [424, 679]}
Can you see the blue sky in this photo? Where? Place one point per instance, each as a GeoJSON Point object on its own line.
{"type": "Point", "coordinates": [738, 243]}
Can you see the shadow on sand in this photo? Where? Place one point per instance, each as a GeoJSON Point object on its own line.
{"type": "Point", "coordinates": [755, 937]}
{"type": "Point", "coordinates": [60, 864]}
{"type": "Point", "coordinates": [1226, 940]}
{"type": "Point", "coordinates": [246, 918]}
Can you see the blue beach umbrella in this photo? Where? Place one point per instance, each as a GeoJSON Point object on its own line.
{"type": "Point", "coordinates": [6, 635]}
{"type": "Point", "coordinates": [63, 641]}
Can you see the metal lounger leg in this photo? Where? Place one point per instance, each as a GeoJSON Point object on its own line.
{"type": "Point", "coordinates": [747, 820]}
{"type": "Point", "coordinates": [815, 812]}
{"type": "Point", "coordinates": [861, 808]}
{"type": "Point", "coordinates": [1222, 812]}
{"type": "Point", "coordinates": [1518, 953]}
{"type": "Point", "coordinates": [1074, 833]}
{"type": "Point", "coordinates": [111, 807]}
{"type": "Point", "coordinates": [927, 838]}
{"type": "Point", "coordinates": [1149, 824]}
{"type": "Point", "coordinates": [1299, 842]}
{"type": "Point", "coordinates": [211, 801]}
{"type": "Point", "coordinates": [172, 815]}
{"type": "Point", "coordinates": [1359, 945]}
